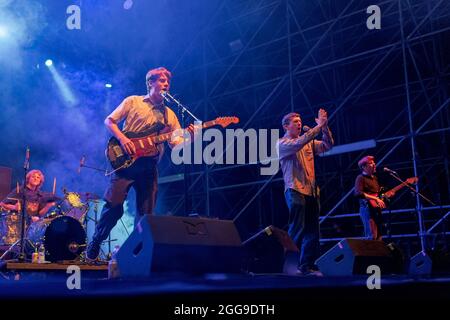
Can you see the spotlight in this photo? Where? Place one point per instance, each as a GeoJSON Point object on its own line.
{"type": "Point", "coordinates": [3, 31]}
{"type": "Point", "coordinates": [108, 85]}
{"type": "Point", "coordinates": [48, 62]}
{"type": "Point", "coordinates": [128, 4]}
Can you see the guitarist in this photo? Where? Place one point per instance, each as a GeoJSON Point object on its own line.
{"type": "Point", "coordinates": [370, 205]}
{"type": "Point", "coordinates": [139, 114]}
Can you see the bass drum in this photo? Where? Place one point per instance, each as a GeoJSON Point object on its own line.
{"type": "Point", "coordinates": [63, 237]}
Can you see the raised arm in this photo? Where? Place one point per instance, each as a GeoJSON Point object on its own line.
{"type": "Point", "coordinates": [326, 143]}
{"type": "Point", "coordinates": [288, 146]}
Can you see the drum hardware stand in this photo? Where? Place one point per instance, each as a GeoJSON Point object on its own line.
{"type": "Point", "coordinates": [83, 165]}
{"type": "Point", "coordinates": [125, 165]}
{"type": "Point", "coordinates": [21, 241]}
{"type": "Point", "coordinates": [17, 243]}
{"type": "Point", "coordinates": [95, 220]}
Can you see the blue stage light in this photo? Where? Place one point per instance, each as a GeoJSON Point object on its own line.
{"type": "Point", "coordinates": [3, 31]}
{"type": "Point", "coordinates": [48, 62]}
{"type": "Point", "coordinates": [108, 85]}
{"type": "Point", "coordinates": [128, 4]}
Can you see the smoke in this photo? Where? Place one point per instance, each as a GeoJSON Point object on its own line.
{"type": "Point", "coordinates": [21, 23]}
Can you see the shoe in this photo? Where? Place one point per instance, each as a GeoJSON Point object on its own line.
{"type": "Point", "coordinates": [92, 251]}
{"type": "Point", "coordinates": [309, 272]}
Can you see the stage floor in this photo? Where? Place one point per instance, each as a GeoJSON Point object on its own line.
{"type": "Point", "coordinates": [22, 281]}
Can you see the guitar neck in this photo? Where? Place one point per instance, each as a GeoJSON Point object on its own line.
{"type": "Point", "coordinates": [400, 186]}
{"type": "Point", "coordinates": [167, 136]}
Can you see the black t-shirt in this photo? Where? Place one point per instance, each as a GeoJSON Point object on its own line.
{"type": "Point", "coordinates": [366, 184]}
{"type": "Point", "coordinates": [35, 200]}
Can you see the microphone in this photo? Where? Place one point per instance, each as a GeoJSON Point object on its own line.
{"type": "Point", "coordinates": [82, 161]}
{"type": "Point", "coordinates": [166, 96]}
{"type": "Point", "coordinates": [26, 163]}
{"type": "Point", "coordinates": [306, 128]}
{"type": "Point", "coordinates": [169, 98]}
{"type": "Point", "coordinates": [389, 171]}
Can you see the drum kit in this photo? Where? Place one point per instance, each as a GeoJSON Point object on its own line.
{"type": "Point", "coordinates": [62, 231]}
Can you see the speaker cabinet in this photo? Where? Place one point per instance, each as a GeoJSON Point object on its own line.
{"type": "Point", "coordinates": [271, 250]}
{"type": "Point", "coordinates": [353, 256]}
{"type": "Point", "coordinates": [180, 244]}
{"type": "Point", "coordinates": [420, 265]}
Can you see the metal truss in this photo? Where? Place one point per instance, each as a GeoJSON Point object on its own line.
{"type": "Point", "coordinates": [299, 55]}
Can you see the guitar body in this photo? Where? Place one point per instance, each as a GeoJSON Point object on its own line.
{"type": "Point", "coordinates": [386, 196]}
{"type": "Point", "coordinates": [380, 196]}
{"type": "Point", "coordinates": [147, 142]}
{"type": "Point", "coordinates": [118, 158]}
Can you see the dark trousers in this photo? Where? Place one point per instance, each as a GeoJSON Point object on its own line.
{"type": "Point", "coordinates": [143, 177]}
{"type": "Point", "coordinates": [304, 227]}
{"type": "Point", "coordinates": [372, 221]}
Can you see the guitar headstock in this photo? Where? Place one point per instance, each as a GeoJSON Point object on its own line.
{"type": "Point", "coordinates": [412, 180]}
{"type": "Point", "coordinates": [226, 121]}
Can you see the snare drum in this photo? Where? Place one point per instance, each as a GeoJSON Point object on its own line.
{"type": "Point", "coordinates": [75, 208]}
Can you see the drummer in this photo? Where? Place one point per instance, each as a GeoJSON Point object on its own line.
{"type": "Point", "coordinates": [38, 203]}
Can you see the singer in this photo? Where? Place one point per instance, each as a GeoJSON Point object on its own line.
{"type": "Point", "coordinates": [139, 114]}
{"type": "Point", "coordinates": [296, 153]}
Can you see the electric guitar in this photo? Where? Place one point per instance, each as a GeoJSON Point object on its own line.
{"type": "Point", "coordinates": [146, 143]}
{"type": "Point", "coordinates": [389, 194]}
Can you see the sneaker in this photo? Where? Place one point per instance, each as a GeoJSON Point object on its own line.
{"type": "Point", "coordinates": [92, 251]}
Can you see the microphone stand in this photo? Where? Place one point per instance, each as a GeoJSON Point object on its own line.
{"type": "Point", "coordinates": [395, 176]}
{"type": "Point", "coordinates": [182, 109]}
{"type": "Point", "coordinates": [417, 193]}
{"type": "Point", "coordinates": [83, 165]}
{"type": "Point", "coordinates": [26, 166]}
{"type": "Point", "coordinates": [21, 241]}
{"type": "Point", "coordinates": [389, 220]}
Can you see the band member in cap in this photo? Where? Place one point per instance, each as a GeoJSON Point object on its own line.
{"type": "Point", "coordinates": [296, 153]}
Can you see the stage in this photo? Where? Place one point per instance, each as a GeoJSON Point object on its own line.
{"type": "Point", "coordinates": [224, 153]}
{"type": "Point", "coordinates": [25, 281]}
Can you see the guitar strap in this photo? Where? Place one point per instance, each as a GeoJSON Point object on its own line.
{"type": "Point", "coordinates": [165, 124]}
{"type": "Point", "coordinates": [164, 119]}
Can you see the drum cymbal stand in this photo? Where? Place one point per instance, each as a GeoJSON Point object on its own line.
{"type": "Point", "coordinates": [15, 244]}
{"type": "Point", "coordinates": [88, 218]}
{"type": "Point", "coordinates": [21, 241]}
